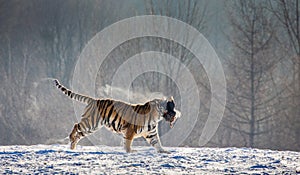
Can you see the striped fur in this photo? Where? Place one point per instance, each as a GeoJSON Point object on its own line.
{"type": "Point", "coordinates": [139, 120]}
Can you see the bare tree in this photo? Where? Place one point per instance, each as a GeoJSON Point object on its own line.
{"type": "Point", "coordinates": [252, 99]}
{"type": "Point", "coordinates": [39, 40]}
{"type": "Point", "coordinates": [194, 13]}
{"type": "Point", "coordinates": [287, 13]}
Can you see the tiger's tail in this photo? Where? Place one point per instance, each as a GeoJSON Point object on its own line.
{"type": "Point", "coordinates": [78, 97]}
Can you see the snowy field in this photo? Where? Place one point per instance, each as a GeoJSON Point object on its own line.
{"type": "Point", "coordinates": [58, 159]}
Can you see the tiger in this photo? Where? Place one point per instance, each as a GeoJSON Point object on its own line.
{"type": "Point", "coordinates": [130, 120]}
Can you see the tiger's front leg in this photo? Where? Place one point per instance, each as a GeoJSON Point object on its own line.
{"type": "Point", "coordinates": [154, 140]}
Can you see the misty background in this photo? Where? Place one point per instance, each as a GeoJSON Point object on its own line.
{"type": "Point", "coordinates": [258, 43]}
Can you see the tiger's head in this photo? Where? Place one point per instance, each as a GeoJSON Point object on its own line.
{"type": "Point", "coordinates": [168, 111]}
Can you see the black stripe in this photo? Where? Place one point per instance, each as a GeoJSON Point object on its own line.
{"type": "Point", "coordinates": [81, 98]}
{"type": "Point", "coordinates": [87, 123]}
{"type": "Point", "coordinates": [141, 129]}
{"type": "Point", "coordinates": [119, 125]}
{"type": "Point", "coordinates": [135, 128]}
{"type": "Point", "coordinates": [94, 116]}
{"type": "Point", "coordinates": [88, 109]}
{"type": "Point", "coordinates": [149, 122]}
{"type": "Point", "coordinates": [103, 108]}
{"type": "Point", "coordinates": [144, 119]}
{"type": "Point", "coordinates": [153, 131]}
{"type": "Point", "coordinates": [150, 136]}
{"type": "Point", "coordinates": [135, 117]}
{"type": "Point", "coordinates": [101, 103]}
{"type": "Point", "coordinates": [153, 142]}
{"type": "Point", "coordinates": [137, 112]}
{"type": "Point", "coordinates": [121, 117]}
{"type": "Point", "coordinates": [83, 126]}
{"type": "Point", "coordinates": [113, 122]}
{"type": "Point", "coordinates": [86, 99]}
{"type": "Point", "coordinates": [100, 109]}
{"type": "Point", "coordinates": [109, 114]}
{"type": "Point", "coordinates": [79, 127]}
{"type": "Point", "coordinates": [121, 114]}
{"type": "Point", "coordinates": [143, 123]}
{"type": "Point", "coordinates": [103, 113]}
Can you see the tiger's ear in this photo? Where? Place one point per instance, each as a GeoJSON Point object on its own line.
{"type": "Point", "coordinates": [171, 98]}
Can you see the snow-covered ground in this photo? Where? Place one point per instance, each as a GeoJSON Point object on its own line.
{"type": "Point", "coordinates": [51, 159]}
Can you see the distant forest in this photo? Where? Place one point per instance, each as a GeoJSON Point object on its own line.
{"type": "Point", "coordinates": [257, 41]}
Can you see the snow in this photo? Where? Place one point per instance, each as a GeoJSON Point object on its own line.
{"type": "Point", "coordinates": [59, 159]}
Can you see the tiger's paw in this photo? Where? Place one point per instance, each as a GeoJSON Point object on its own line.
{"type": "Point", "coordinates": [164, 151]}
{"type": "Point", "coordinates": [131, 151]}
{"type": "Point", "coordinates": [73, 145]}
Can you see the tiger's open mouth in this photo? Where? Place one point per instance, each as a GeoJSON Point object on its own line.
{"type": "Point", "coordinates": [170, 117]}
{"type": "Point", "coordinates": [172, 121]}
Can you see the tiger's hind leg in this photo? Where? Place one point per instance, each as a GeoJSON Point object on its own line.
{"type": "Point", "coordinates": [127, 140]}
{"type": "Point", "coordinates": [75, 136]}
{"type": "Point", "coordinates": [127, 145]}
